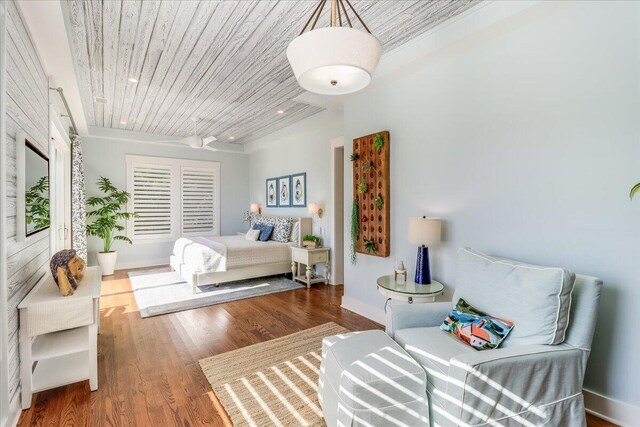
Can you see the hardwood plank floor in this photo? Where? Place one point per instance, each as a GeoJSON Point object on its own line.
{"type": "Point", "coordinates": [148, 372]}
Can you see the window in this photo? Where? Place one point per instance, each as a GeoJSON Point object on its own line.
{"type": "Point", "coordinates": [172, 198]}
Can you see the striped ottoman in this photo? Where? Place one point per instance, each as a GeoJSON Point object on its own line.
{"type": "Point", "coordinates": [366, 379]}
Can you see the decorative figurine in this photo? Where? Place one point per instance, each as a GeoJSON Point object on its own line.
{"type": "Point", "coordinates": [68, 270]}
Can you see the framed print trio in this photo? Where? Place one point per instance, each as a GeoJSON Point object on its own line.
{"type": "Point", "coordinates": [287, 191]}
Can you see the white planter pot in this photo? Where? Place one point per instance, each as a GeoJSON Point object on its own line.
{"type": "Point", "coordinates": [107, 262]}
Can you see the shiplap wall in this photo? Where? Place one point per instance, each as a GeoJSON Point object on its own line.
{"type": "Point", "coordinates": [27, 100]}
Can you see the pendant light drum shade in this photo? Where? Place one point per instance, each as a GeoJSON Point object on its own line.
{"type": "Point", "coordinates": [334, 60]}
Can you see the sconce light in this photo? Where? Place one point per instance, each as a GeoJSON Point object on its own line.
{"type": "Point", "coordinates": [316, 209]}
{"type": "Point", "coordinates": [255, 208]}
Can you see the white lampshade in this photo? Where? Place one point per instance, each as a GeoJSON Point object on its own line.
{"type": "Point", "coordinates": [424, 231]}
{"type": "Point", "coordinates": [255, 208]}
{"type": "Point", "coordinates": [343, 55]}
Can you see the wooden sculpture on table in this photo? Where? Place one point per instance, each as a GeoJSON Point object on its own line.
{"type": "Point", "coordinates": [68, 270]}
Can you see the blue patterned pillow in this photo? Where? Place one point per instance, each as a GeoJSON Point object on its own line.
{"type": "Point", "coordinates": [265, 231]}
{"type": "Point", "coordinates": [281, 230]}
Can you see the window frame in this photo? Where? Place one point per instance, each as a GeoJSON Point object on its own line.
{"type": "Point", "coordinates": [176, 166]}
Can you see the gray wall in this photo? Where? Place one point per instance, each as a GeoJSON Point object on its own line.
{"type": "Point", "coordinates": [525, 140]}
{"type": "Point", "coordinates": [27, 109]}
{"type": "Point", "coordinates": [303, 147]}
{"type": "Point", "coordinates": [105, 157]}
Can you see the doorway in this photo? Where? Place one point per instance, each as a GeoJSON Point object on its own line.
{"type": "Point", "coordinates": [337, 237]}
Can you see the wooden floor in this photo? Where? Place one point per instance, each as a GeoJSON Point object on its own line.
{"type": "Point", "coordinates": [148, 368]}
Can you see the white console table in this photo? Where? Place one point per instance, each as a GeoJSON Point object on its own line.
{"type": "Point", "coordinates": [59, 335]}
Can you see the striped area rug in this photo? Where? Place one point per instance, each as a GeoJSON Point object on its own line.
{"type": "Point", "coordinates": [272, 383]}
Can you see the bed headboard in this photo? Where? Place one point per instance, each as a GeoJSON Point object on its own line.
{"type": "Point", "coordinates": [306, 225]}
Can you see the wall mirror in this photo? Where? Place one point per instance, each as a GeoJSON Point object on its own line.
{"type": "Point", "coordinates": [33, 198]}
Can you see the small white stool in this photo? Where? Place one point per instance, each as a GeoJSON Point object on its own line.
{"type": "Point", "coordinates": [367, 379]}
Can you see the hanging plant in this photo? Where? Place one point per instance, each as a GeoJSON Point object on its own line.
{"type": "Point", "coordinates": [379, 202]}
{"type": "Point", "coordinates": [362, 187]}
{"type": "Point", "coordinates": [370, 246]}
{"type": "Point", "coordinates": [355, 229]}
{"type": "Point", "coordinates": [354, 157]}
{"type": "Point", "coordinates": [635, 189]}
{"type": "Point", "coordinates": [378, 142]}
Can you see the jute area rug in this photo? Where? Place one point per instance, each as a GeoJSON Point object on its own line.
{"type": "Point", "coordinates": [272, 383]}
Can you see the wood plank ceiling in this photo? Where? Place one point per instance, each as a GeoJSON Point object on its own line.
{"type": "Point", "coordinates": [159, 63]}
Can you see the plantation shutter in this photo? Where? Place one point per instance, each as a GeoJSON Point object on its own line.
{"type": "Point", "coordinates": [199, 200]}
{"type": "Point", "coordinates": [151, 198]}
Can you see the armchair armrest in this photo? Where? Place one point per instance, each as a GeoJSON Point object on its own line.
{"type": "Point", "coordinates": [533, 383]}
{"type": "Point", "coordinates": [402, 316]}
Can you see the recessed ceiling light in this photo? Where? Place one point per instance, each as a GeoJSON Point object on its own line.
{"type": "Point", "coordinates": [280, 111]}
{"type": "Point", "coordinates": [132, 80]}
{"type": "Point", "coordinates": [123, 123]}
{"type": "Point", "coordinates": [232, 137]}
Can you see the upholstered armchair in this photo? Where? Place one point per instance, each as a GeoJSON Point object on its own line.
{"type": "Point", "coordinates": [535, 377]}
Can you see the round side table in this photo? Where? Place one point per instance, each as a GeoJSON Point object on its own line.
{"type": "Point", "coordinates": [407, 290]}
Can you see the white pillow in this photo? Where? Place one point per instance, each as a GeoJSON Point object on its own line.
{"type": "Point", "coordinates": [252, 235]}
{"type": "Point", "coordinates": [536, 299]}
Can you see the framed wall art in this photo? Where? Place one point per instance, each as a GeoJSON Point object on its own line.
{"type": "Point", "coordinates": [284, 191]}
{"type": "Point", "coordinates": [272, 192]}
{"type": "Point", "coordinates": [299, 190]}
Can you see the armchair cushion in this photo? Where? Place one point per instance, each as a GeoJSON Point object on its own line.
{"type": "Point", "coordinates": [401, 316]}
{"type": "Point", "coordinates": [536, 299]}
{"type": "Point", "coordinates": [432, 349]}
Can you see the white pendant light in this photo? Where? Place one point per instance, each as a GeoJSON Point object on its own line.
{"type": "Point", "coordinates": [335, 60]}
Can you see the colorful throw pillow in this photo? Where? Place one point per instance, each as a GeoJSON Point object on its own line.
{"type": "Point", "coordinates": [265, 231]}
{"type": "Point", "coordinates": [478, 329]}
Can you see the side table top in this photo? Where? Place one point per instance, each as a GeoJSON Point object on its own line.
{"type": "Point", "coordinates": [408, 286]}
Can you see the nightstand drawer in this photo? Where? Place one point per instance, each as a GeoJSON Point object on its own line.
{"type": "Point", "coordinates": [319, 257]}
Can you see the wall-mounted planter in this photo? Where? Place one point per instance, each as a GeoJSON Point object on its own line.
{"type": "Point", "coordinates": [371, 172]}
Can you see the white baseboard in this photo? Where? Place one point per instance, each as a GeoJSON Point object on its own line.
{"type": "Point", "coordinates": [611, 410]}
{"type": "Point", "coordinates": [370, 312]}
{"type": "Point", "coordinates": [141, 264]}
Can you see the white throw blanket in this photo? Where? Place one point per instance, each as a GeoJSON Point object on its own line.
{"type": "Point", "coordinates": [201, 254]}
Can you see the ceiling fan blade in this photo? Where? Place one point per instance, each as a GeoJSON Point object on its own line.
{"type": "Point", "coordinates": [208, 140]}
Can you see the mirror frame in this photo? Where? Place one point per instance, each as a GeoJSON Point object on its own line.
{"type": "Point", "coordinates": [23, 141]}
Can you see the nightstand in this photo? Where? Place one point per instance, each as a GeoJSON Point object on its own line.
{"type": "Point", "coordinates": [309, 257]}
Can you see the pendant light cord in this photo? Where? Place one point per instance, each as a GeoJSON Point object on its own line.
{"type": "Point", "coordinates": [337, 8]}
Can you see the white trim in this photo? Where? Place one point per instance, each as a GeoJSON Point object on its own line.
{"type": "Point", "coordinates": [4, 335]}
{"type": "Point", "coordinates": [337, 142]}
{"type": "Point", "coordinates": [370, 312]}
{"type": "Point", "coordinates": [612, 410]}
{"type": "Point", "coordinates": [159, 262]}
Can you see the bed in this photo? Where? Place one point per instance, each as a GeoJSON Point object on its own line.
{"type": "Point", "coordinates": [214, 260]}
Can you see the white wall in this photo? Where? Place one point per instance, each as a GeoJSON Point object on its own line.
{"type": "Point", "coordinates": [106, 157]}
{"type": "Point", "coordinates": [524, 137]}
{"type": "Point", "coordinates": [302, 147]}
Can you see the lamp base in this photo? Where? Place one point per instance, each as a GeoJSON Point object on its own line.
{"type": "Point", "coordinates": [423, 272]}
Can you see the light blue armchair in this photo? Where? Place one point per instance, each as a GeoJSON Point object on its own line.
{"type": "Point", "coordinates": [536, 377]}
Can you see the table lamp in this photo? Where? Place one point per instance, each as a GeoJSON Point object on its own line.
{"type": "Point", "coordinates": [424, 232]}
{"type": "Point", "coordinates": [255, 208]}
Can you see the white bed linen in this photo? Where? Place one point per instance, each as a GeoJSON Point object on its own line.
{"type": "Point", "coordinates": [214, 254]}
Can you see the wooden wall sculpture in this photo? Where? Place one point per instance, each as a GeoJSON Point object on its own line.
{"type": "Point", "coordinates": [371, 192]}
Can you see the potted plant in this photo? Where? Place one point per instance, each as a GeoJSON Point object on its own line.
{"type": "Point", "coordinates": [311, 241]}
{"type": "Point", "coordinates": [107, 212]}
